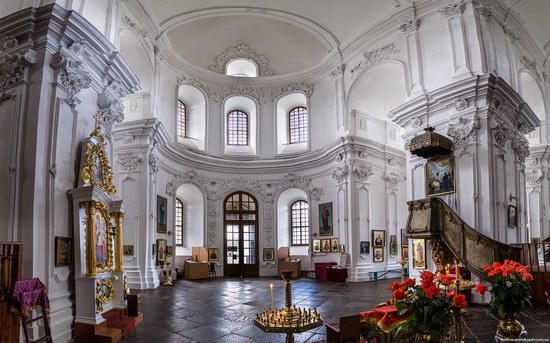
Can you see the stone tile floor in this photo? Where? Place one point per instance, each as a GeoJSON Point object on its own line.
{"type": "Point", "coordinates": [222, 310]}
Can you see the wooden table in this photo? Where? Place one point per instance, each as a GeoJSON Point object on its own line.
{"type": "Point", "coordinates": [196, 270]}
{"type": "Point", "coordinates": [337, 274]}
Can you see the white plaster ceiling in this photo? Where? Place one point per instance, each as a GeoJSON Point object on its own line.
{"type": "Point", "coordinates": [536, 17]}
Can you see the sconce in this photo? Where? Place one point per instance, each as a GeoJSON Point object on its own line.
{"type": "Point", "coordinates": [169, 233]}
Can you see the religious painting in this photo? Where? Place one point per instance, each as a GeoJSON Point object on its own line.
{"type": "Point", "coordinates": [97, 168]}
{"type": "Point", "coordinates": [379, 238]}
{"type": "Point", "coordinates": [393, 248]}
{"type": "Point", "coordinates": [440, 176]}
{"type": "Point", "coordinates": [342, 248]}
{"type": "Point", "coordinates": [405, 253]}
{"type": "Point", "coordinates": [404, 239]}
{"type": "Point", "coordinates": [161, 250]}
{"type": "Point", "coordinates": [325, 245]}
{"type": "Point", "coordinates": [325, 219]}
{"type": "Point", "coordinates": [269, 254]}
{"type": "Point", "coordinates": [378, 255]}
{"type": "Point", "coordinates": [101, 237]}
{"type": "Point", "coordinates": [213, 254]}
{"type": "Point", "coordinates": [63, 251]}
{"type": "Point", "coordinates": [162, 205]}
{"type": "Point", "coordinates": [364, 247]}
{"type": "Point", "coordinates": [512, 216]}
{"type": "Point", "coordinates": [334, 245]}
{"type": "Point", "coordinates": [419, 253]}
{"type": "Point", "coordinates": [169, 250]}
{"type": "Point", "coordinates": [316, 245]}
{"type": "Point", "coordinates": [128, 250]}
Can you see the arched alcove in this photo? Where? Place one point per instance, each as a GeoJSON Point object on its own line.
{"type": "Point", "coordinates": [193, 201]}
{"type": "Point", "coordinates": [285, 200]}
{"type": "Point", "coordinates": [138, 105]}
{"type": "Point", "coordinates": [284, 105]}
{"type": "Point", "coordinates": [196, 109]}
{"type": "Point", "coordinates": [241, 68]}
{"type": "Point", "coordinates": [250, 108]}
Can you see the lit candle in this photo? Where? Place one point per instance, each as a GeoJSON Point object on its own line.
{"type": "Point", "coordinates": [271, 293]}
{"type": "Point", "coordinates": [456, 268]}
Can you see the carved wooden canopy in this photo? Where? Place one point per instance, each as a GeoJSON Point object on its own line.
{"type": "Point", "coordinates": [430, 144]}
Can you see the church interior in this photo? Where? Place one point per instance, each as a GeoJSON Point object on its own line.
{"type": "Point", "coordinates": [274, 171]}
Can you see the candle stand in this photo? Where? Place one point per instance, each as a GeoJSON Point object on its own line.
{"type": "Point", "coordinates": [289, 320]}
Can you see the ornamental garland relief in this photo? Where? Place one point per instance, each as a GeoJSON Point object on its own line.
{"type": "Point", "coordinates": [242, 51]}
{"type": "Point", "coordinates": [73, 74]}
{"type": "Point", "coordinates": [12, 64]}
{"type": "Point", "coordinates": [373, 57]}
{"type": "Point", "coordinates": [463, 130]}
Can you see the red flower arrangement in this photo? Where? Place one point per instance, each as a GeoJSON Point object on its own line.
{"type": "Point", "coordinates": [431, 308]}
{"type": "Point", "coordinates": [511, 287]}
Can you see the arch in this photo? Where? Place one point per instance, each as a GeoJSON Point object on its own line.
{"type": "Point", "coordinates": [241, 67]}
{"type": "Point", "coordinates": [194, 217]}
{"type": "Point", "coordinates": [283, 105]}
{"type": "Point", "coordinates": [196, 106]}
{"type": "Point", "coordinates": [283, 203]}
{"type": "Point", "coordinates": [379, 89]}
{"type": "Point", "coordinates": [531, 91]}
{"type": "Point", "coordinates": [249, 106]}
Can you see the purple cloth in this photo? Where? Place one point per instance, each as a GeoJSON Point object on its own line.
{"type": "Point", "coordinates": [26, 295]}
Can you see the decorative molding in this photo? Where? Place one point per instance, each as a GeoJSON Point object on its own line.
{"type": "Point", "coordinates": [534, 178]}
{"type": "Point", "coordinates": [256, 10]}
{"type": "Point", "coordinates": [241, 183]}
{"type": "Point", "coordinates": [510, 33]}
{"type": "Point", "coordinates": [73, 74]}
{"type": "Point", "coordinates": [340, 173]}
{"type": "Point", "coordinates": [484, 9]}
{"type": "Point", "coordinates": [362, 172]}
{"type": "Point", "coordinates": [530, 65]}
{"type": "Point", "coordinates": [452, 9]}
{"type": "Point", "coordinates": [12, 64]}
{"type": "Point", "coordinates": [111, 109]}
{"type": "Point", "coordinates": [141, 34]}
{"type": "Point", "coordinates": [338, 72]}
{"type": "Point", "coordinates": [463, 130]}
{"type": "Point", "coordinates": [409, 24]}
{"type": "Point", "coordinates": [5, 97]}
{"type": "Point", "coordinates": [392, 179]}
{"type": "Point", "coordinates": [129, 161]}
{"type": "Point", "coordinates": [501, 133]}
{"type": "Point", "coordinates": [374, 57]}
{"type": "Point", "coordinates": [521, 148]}
{"type": "Point", "coordinates": [416, 122]}
{"type": "Point", "coordinates": [292, 180]}
{"type": "Point", "coordinates": [242, 51]}
{"type": "Point", "coordinates": [461, 104]}
{"type": "Point", "coordinates": [239, 89]}
{"type": "Point", "coordinates": [306, 88]}
{"type": "Point", "coordinates": [189, 176]}
{"type": "Point", "coordinates": [212, 219]}
{"type": "Point", "coordinates": [11, 168]}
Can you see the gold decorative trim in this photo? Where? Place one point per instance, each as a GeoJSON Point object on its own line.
{"type": "Point", "coordinates": [97, 170]}
{"type": "Point", "coordinates": [105, 293]}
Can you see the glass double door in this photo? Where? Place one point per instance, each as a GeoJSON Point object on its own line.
{"type": "Point", "coordinates": [241, 236]}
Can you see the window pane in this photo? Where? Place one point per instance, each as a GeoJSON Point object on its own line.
{"type": "Point", "coordinates": [182, 119]}
{"type": "Point", "coordinates": [179, 222]}
{"type": "Point", "coordinates": [237, 128]}
{"type": "Point", "coordinates": [299, 227]}
{"type": "Point", "coordinates": [297, 125]}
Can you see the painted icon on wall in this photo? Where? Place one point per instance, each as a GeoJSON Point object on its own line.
{"type": "Point", "coordinates": [512, 216]}
{"type": "Point", "coordinates": [393, 248]}
{"type": "Point", "coordinates": [128, 250]}
{"type": "Point", "coordinates": [334, 245]}
{"type": "Point", "coordinates": [325, 219]}
{"type": "Point", "coordinates": [162, 205]}
{"type": "Point", "coordinates": [440, 176]}
{"type": "Point", "coordinates": [213, 254]}
{"type": "Point", "coordinates": [379, 238]}
{"type": "Point", "coordinates": [364, 247]}
{"type": "Point", "coordinates": [63, 251]}
{"type": "Point", "coordinates": [378, 255]}
{"type": "Point", "coordinates": [269, 254]}
{"type": "Point", "coordinates": [100, 232]}
{"type": "Point", "coordinates": [405, 253]}
{"type": "Point", "coordinates": [316, 245]}
{"type": "Point", "coordinates": [404, 239]}
{"type": "Point", "coordinates": [161, 250]}
{"type": "Point", "coordinates": [419, 253]}
{"type": "Point", "coordinates": [325, 246]}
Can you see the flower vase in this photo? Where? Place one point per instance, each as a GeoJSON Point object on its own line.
{"type": "Point", "coordinates": [509, 326]}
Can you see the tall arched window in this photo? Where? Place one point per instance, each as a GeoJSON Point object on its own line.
{"type": "Point", "coordinates": [237, 128]}
{"type": "Point", "coordinates": [182, 119]}
{"type": "Point", "coordinates": [179, 222]}
{"type": "Point", "coordinates": [299, 223]}
{"type": "Point", "coordinates": [297, 125]}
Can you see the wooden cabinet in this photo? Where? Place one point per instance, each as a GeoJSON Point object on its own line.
{"type": "Point", "coordinates": [295, 266]}
{"type": "Point", "coordinates": [134, 307]}
{"type": "Point", "coordinates": [196, 270]}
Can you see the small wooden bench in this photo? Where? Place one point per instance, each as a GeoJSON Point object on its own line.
{"type": "Point", "coordinates": [379, 274]}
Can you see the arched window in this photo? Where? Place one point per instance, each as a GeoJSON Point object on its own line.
{"type": "Point", "coordinates": [297, 125]}
{"type": "Point", "coordinates": [237, 128]}
{"type": "Point", "coordinates": [299, 223]}
{"type": "Point", "coordinates": [241, 68]}
{"type": "Point", "coordinates": [182, 119]}
{"type": "Point", "coordinates": [179, 222]}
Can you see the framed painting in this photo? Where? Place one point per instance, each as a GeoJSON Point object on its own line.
{"type": "Point", "coordinates": [440, 176]}
{"type": "Point", "coordinates": [419, 253]}
{"type": "Point", "coordinates": [128, 250]}
{"type": "Point", "coordinates": [405, 253]}
{"type": "Point", "coordinates": [334, 245]}
{"type": "Point", "coordinates": [393, 248]}
{"type": "Point", "coordinates": [162, 205]}
{"type": "Point", "coordinates": [269, 254]}
{"type": "Point", "coordinates": [342, 248]}
{"type": "Point", "coordinates": [404, 239]}
{"type": "Point", "coordinates": [379, 238]}
{"type": "Point", "coordinates": [325, 245]}
{"type": "Point", "coordinates": [512, 216]}
{"type": "Point", "coordinates": [378, 255]}
{"type": "Point", "coordinates": [169, 250]}
{"type": "Point", "coordinates": [161, 250]}
{"type": "Point", "coordinates": [213, 254]}
{"type": "Point", "coordinates": [103, 254]}
{"type": "Point", "coordinates": [63, 251]}
{"type": "Point", "coordinates": [325, 219]}
{"type": "Point", "coordinates": [316, 245]}
{"type": "Point", "coordinates": [364, 247]}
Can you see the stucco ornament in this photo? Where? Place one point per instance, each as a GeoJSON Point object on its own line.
{"type": "Point", "coordinates": [362, 172]}
{"type": "Point", "coordinates": [452, 9]}
{"type": "Point", "coordinates": [111, 109]}
{"type": "Point", "coordinates": [409, 24]}
{"type": "Point", "coordinates": [463, 130]}
{"type": "Point", "coordinates": [242, 51]}
{"type": "Point", "coordinates": [73, 74]}
{"type": "Point", "coordinates": [293, 180]}
{"type": "Point", "coordinates": [306, 88]}
{"type": "Point", "coordinates": [521, 148]}
{"type": "Point", "coordinates": [239, 89]}
{"type": "Point", "coordinates": [12, 64]}
{"type": "Point", "coordinates": [179, 179]}
{"type": "Point", "coordinates": [501, 133]}
{"type": "Point", "coordinates": [374, 57]}
{"type": "Point", "coordinates": [534, 178]}
{"type": "Point", "coordinates": [392, 179]}
{"type": "Point", "coordinates": [129, 161]}
{"type": "Point", "coordinates": [141, 34]}
{"type": "Point", "coordinates": [530, 65]}
{"type": "Point", "coordinates": [461, 104]}
{"type": "Point", "coordinates": [484, 8]}
{"type": "Point", "coordinates": [340, 173]}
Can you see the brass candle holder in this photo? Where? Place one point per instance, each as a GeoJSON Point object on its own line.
{"type": "Point", "coordinates": [289, 320]}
